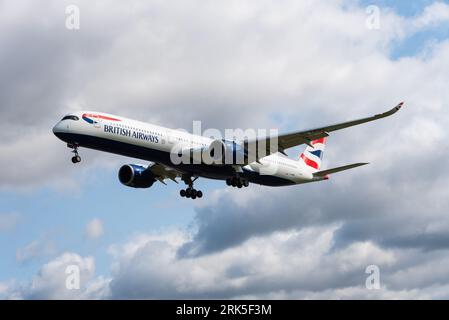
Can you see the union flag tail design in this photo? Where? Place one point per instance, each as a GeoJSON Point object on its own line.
{"type": "Point", "coordinates": [312, 156]}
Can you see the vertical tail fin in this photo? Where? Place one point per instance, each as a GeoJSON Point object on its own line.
{"type": "Point", "coordinates": [312, 156]}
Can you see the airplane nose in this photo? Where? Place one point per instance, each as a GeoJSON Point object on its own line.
{"type": "Point", "coordinates": [59, 130]}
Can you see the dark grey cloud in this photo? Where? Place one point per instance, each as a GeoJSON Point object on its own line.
{"type": "Point", "coordinates": [399, 200]}
{"type": "Point", "coordinates": [160, 63]}
{"type": "Point", "coordinates": [127, 282]}
{"type": "Point", "coordinates": [43, 64]}
{"type": "Point", "coordinates": [380, 211]}
{"type": "Point", "coordinates": [284, 265]}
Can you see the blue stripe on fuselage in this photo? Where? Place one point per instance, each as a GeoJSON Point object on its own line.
{"type": "Point", "coordinates": [266, 180]}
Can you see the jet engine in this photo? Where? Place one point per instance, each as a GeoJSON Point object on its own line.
{"type": "Point", "coordinates": [136, 176]}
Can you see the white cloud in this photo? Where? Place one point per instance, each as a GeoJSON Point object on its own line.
{"type": "Point", "coordinates": [284, 261]}
{"type": "Point", "coordinates": [3, 288]}
{"type": "Point", "coordinates": [50, 282]}
{"type": "Point", "coordinates": [234, 64]}
{"type": "Point", "coordinates": [291, 264]}
{"type": "Point", "coordinates": [299, 59]}
{"type": "Point", "coordinates": [35, 249]}
{"type": "Point", "coordinates": [434, 14]}
{"type": "Point", "coordinates": [94, 228]}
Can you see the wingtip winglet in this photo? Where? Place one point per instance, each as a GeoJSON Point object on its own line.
{"type": "Point", "coordinates": [362, 164]}
{"type": "Point", "coordinates": [394, 110]}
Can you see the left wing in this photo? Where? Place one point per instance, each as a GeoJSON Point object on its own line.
{"type": "Point", "coordinates": [290, 140]}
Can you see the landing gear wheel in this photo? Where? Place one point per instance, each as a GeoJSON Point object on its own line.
{"type": "Point", "coordinates": [76, 159]}
{"type": "Point", "coordinates": [238, 182]}
{"type": "Point", "coordinates": [190, 192]}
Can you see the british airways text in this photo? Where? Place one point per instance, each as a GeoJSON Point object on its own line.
{"type": "Point", "coordinates": [131, 133]}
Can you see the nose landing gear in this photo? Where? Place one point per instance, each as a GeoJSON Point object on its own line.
{"type": "Point", "coordinates": [76, 158]}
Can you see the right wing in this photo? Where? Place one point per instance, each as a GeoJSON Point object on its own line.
{"type": "Point", "coordinates": [286, 141]}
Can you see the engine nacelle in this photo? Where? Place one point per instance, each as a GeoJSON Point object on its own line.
{"type": "Point", "coordinates": [136, 176]}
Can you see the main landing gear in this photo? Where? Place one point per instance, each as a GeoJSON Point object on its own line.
{"type": "Point", "coordinates": [76, 158]}
{"type": "Point", "coordinates": [237, 182]}
{"type": "Point", "coordinates": [190, 192]}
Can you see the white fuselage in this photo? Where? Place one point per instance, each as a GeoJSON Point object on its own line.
{"type": "Point", "coordinates": [154, 143]}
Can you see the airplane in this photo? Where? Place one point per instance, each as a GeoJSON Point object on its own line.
{"type": "Point", "coordinates": [155, 144]}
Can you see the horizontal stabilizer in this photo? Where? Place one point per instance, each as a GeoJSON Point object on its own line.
{"type": "Point", "coordinates": [324, 173]}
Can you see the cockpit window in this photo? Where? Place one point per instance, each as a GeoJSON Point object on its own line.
{"type": "Point", "coordinates": [75, 118]}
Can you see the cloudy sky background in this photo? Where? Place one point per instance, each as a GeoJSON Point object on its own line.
{"type": "Point", "coordinates": [231, 64]}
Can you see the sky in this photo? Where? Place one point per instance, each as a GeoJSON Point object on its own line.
{"type": "Point", "coordinates": [287, 65]}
